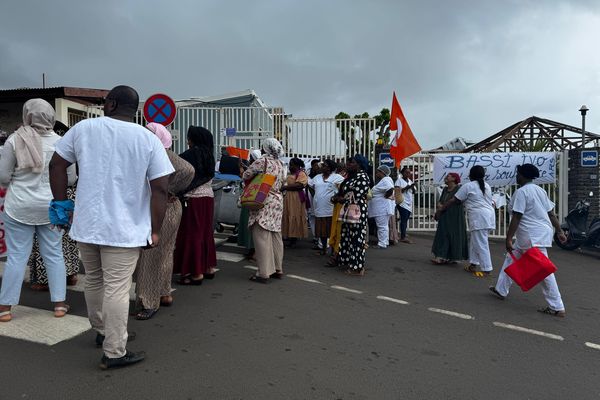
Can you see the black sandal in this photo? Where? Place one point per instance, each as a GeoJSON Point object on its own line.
{"type": "Point", "coordinates": [555, 313]}
{"type": "Point", "coordinates": [209, 276]}
{"type": "Point", "coordinates": [259, 279]}
{"type": "Point", "coordinates": [188, 281]}
{"type": "Point", "coordinates": [276, 275]}
{"type": "Point", "coordinates": [145, 313]}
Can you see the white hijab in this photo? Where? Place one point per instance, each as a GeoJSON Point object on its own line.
{"type": "Point", "coordinates": [38, 118]}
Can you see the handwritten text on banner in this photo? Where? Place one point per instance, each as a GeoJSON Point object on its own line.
{"type": "Point", "coordinates": [500, 168]}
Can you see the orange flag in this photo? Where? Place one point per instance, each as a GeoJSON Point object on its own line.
{"type": "Point", "coordinates": [403, 143]}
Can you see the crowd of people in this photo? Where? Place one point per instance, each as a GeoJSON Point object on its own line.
{"type": "Point", "coordinates": [163, 203]}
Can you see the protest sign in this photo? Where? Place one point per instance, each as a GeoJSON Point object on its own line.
{"type": "Point", "coordinates": [500, 168]}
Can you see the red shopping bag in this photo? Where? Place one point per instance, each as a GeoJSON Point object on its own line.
{"type": "Point", "coordinates": [530, 269]}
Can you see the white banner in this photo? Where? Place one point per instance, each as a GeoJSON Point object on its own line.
{"type": "Point", "coordinates": [500, 168]}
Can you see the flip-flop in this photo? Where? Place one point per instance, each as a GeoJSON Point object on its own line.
{"type": "Point", "coordinates": [439, 262]}
{"type": "Point", "coordinates": [555, 313]}
{"type": "Point", "coordinates": [5, 316]}
{"type": "Point", "coordinates": [354, 273]}
{"type": "Point", "coordinates": [259, 279]}
{"type": "Point", "coordinates": [145, 313]}
{"type": "Point", "coordinates": [276, 275]}
{"type": "Point", "coordinates": [61, 311]}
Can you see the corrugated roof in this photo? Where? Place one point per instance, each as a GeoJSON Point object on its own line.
{"type": "Point", "coordinates": [17, 94]}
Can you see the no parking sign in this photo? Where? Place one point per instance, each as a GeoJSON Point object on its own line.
{"type": "Point", "coordinates": [160, 108]}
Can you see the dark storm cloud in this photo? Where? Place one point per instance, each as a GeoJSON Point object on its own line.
{"type": "Point", "coordinates": [467, 68]}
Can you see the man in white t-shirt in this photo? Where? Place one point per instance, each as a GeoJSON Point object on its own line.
{"type": "Point", "coordinates": [405, 208]}
{"type": "Point", "coordinates": [119, 208]}
{"type": "Point", "coordinates": [532, 224]}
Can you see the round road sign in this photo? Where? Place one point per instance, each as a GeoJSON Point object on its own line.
{"type": "Point", "coordinates": [160, 108]}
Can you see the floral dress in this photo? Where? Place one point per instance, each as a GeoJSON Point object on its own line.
{"type": "Point", "coordinates": [354, 236]}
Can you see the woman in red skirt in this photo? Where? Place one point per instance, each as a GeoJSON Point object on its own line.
{"type": "Point", "coordinates": [195, 255]}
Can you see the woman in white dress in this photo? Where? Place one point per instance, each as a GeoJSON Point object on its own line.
{"type": "Point", "coordinates": [381, 206]}
{"type": "Point", "coordinates": [324, 186]}
{"type": "Point", "coordinates": [477, 199]}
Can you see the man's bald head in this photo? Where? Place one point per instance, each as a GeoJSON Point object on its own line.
{"type": "Point", "coordinates": [121, 101]}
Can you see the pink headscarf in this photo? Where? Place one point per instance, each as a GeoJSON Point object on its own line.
{"type": "Point", "coordinates": [162, 133]}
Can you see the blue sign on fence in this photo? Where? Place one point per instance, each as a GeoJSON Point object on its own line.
{"type": "Point", "coordinates": [229, 132]}
{"type": "Point", "coordinates": [386, 159]}
{"type": "Point", "coordinates": [589, 158]}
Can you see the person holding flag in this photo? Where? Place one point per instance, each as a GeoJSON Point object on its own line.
{"type": "Point", "coordinates": [403, 144]}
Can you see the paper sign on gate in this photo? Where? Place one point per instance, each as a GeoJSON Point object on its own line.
{"type": "Point", "coordinates": [500, 168]}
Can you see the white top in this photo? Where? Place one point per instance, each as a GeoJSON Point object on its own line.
{"type": "Point", "coordinates": [408, 195]}
{"type": "Point", "coordinates": [380, 205]}
{"type": "Point", "coordinates": [480, 209]}
{"type": "Point", "coordinates": [535, 228]}
{"type": "Point", "coordinates": [29, 194]}
{"type": "Point", "coordinates": [325, 189]}
{"type": "Point", "coordinates": [116, 161]}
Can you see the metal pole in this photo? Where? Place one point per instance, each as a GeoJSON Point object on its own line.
{"type": "Point", "coordinates": [583, 110]}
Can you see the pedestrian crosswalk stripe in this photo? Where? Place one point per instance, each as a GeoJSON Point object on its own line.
{"type": "Point", "coordinates": [40, 326]}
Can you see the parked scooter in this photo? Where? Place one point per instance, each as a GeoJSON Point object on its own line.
{"type": "Point", "coordinates": [576, 228]}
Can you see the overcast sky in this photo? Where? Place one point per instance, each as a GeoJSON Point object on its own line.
{"type": "Point", "coordinates": [459, 68]}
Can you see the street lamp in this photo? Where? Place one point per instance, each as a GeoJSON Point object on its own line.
{"type": "Point", "coordinates": [583, 110]}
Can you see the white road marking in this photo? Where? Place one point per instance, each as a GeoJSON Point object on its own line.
{"type": "Point", "coordinates": [527, 330]}
{"type": "Point", "coordinates": [392, 300]}
{"type": "Point", "coordinates": [229, 256]}
{"type": "Point", "coordinates": [592, 345]}
{"type": "Point", "coordinates": [252, 267]}
{"type": "Point", "coordinates": [40, 326]}
{"type": "Point", "coordinates": [345, 289]}
{"type": "Point", "coordinates": [450, 313]}
{"type": "Point", "coordinates": [301, 278]}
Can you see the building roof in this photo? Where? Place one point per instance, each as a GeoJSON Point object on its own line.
{"type": "Point", "coordinates": [534, 134]}
{"type": "Point", "coordinates": [94, 96]}
{"type": "Point", "coordinates": [234, 99]}
{"type": "Point", "coordinates": [455, 145]}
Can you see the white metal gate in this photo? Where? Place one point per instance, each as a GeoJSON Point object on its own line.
{"type": "Point", "coordinates": [331, 138]}
{"type": "Point", "coordinates": [427, 195]}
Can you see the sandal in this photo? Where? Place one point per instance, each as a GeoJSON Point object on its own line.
{"type": "Point", "coordinates": [166, 301]}
{"type": "Point", "coordinates": [259, 279]}
{"type": "Point", "coordinates": [189, 281]}
{"type": "Point", "coordinates": [61, 311]}
{"type": "Point", "coordinates": [555, 313]}
{"type": "Point", "coordinates": [145, 313]}
{"type": "Point", "coordinates": [353, 272]}
{"type": "Point", "coordinates": [5, 316]}
{"type": "Point", "coordinates": [496, 293]}
{"type": "Point", "coordinates": [209, 276]}
{"type": "Point", "coordinates": [439, 261]}
{"type": "Point", "coordinates": [332, 263]}
{"type": "Point", "coordinates": [276, 275]}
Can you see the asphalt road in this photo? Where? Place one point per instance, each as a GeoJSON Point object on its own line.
{"type": "Point", "coordinates": [319, 334]}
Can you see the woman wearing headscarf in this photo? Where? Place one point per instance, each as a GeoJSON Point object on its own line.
{"type": "Point", "coordinates": [354, 235]}
{"type": "Point", "coordinates": [24, 169]}
{"type": "Point", "coordinates": [450, 241]}
{"type": "Point", "coordinates": [265, 224]}
{"type": "Point", "coordinates": [381, 206]}
{"type": "Point", "coordinates": [195, 254]}
{"type": "Point", "coordinates": [477, 198]}
{"type": "Point", "coordinates": [335, 235]}
{"type": "Point", "coordinates": [155, 265]}
{"type": "Point", "coordinates": [294, 225]}
{"type": "Point", "coordinates": [244, 238]}
{"type": "Point", "coordinates": [325, 185]}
